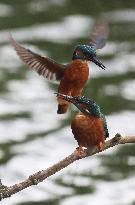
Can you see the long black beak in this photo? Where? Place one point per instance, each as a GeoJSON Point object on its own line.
{"type": "Point", "coordinates": [65, 97]}
{"type": "Point", "coordinates": [95, 60]}
{"type": "Point", "coordinates": [76, 101]}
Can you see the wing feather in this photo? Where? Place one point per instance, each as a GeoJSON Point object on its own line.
{"type": "Point", "coordinates": [43, 65]}
{"type": "Point", "coordinates": [100, 34]}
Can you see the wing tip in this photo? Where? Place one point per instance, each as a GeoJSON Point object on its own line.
{"type": "Point", "coordinates": [100, 33]}
{"type": "Point", "coordinates": [12, 41]}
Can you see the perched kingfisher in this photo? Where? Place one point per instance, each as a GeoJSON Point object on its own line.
{"type": "Point", "coordinates": [89, 126]}
{"type": "Point", "coordinates": [72, 76]}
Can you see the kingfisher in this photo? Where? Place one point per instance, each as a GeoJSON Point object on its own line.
{"type": "Point", "coordinates": [73, 76]}
{"type": "Point", "coordinates": [89, 126]}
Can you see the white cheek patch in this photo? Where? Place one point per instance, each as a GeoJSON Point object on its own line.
{"type": "Point", "coordinates": [87, 111]}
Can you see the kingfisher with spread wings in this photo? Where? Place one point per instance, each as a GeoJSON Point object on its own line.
{"type": "Point", "coordinates": [73, 76]}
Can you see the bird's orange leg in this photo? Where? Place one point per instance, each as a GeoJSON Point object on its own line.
{"type": "Point", "coordinates": [101, 146]}
{"type": "Point", "coordinates": [80, 151]}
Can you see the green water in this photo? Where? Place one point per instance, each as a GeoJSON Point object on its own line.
{"type": "Point", "coordinates": [109, 90]}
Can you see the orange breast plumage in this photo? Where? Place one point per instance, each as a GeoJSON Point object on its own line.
{"type": "Point", "coordinates": [73, 82]}
{"type": "Point", "coordinates": [88, 131]}
{"type": "Point", "coordinates": [77, 73]}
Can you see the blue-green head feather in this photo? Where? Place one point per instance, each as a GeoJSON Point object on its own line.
{"type": "Point", "coordinates": [84, 52]}
{"type": "Point", "coordinates": [87, 106]}
{"type": "Point", "coordinates": [87, 53]}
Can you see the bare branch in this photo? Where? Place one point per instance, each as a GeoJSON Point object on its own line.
{"type": "Point", "coordinates": [38, 177]}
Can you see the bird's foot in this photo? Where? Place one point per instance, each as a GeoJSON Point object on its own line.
{"type": "Point", "coordinates": [80, 152]}
{"type": "Point", "coordinates": [101, 146]}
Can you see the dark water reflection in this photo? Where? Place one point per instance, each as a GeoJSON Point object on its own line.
{"type": "Point", "coordinates": [32, 136]}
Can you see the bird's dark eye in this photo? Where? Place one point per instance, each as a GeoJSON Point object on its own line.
{"type": "Point", "coordinates": [85, 53]}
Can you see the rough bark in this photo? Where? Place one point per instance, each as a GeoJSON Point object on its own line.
{"type": "Point", "coordinates": [7, 191]}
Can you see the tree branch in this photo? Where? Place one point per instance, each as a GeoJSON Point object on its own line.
{"type": "Point", "coordinates": [38, 177]}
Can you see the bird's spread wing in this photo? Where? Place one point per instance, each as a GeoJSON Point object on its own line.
{"type": "Point", "coordinates": [42, 64]}
{"type": "Point", "coordinates": [99, 34]}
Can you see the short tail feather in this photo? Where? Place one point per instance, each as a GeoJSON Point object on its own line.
{"type": "Point", "coordinates": [62, 109]}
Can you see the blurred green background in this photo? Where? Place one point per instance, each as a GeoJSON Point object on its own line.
{"type": "Point", "coordinates": [32, 135]}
